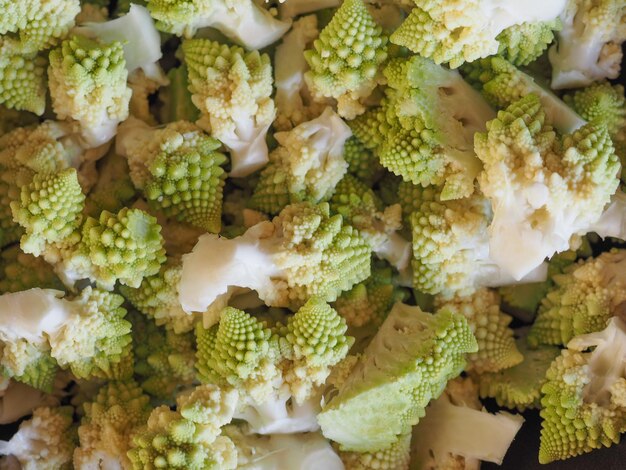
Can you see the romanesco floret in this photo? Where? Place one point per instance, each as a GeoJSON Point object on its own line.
{"type": "Point", "coordinates": [458, 31]}
{"type": "Point", "coordinates": [360, 207]}
{"type": "Point", "coordinates": [164, 360]}
{"type": "Point", "coordinates": [87, 82]}
{"type": "Point", "coordinates": [29, 363]}
{"type": "Point", "coordinates": [304, 251]}
{"type": "Point", "coordinates": [407, 364]}
{"type": "Point", "coordinates": [544, 188]}
{"type": "Point", "coordinates": [171, 441]}
{"type": "Point", "coordinates": [232, 89]}
{"type": "Point", "coordinates": [21, 271]}
{"type": "Point", "coordinates": [362, 163]}
{"type": "Point", "coordinates": [23, 82]}
{"type": "Point", "coordinates": [496, 346]}
{"type": "Point", "coordinates": [157, 297]}
{"type": "Point", "coordinates": [457, 432]}
{"type": "Point", "coordinates": [395, 457]}
{"type": "Point", "coordinates": [95, 341]}
{"type": "Point", "coordinates": [50, 210]}
{"type": "Point", "coordinates": [369, 302]}
{"type": "Point", "coordinates": [306, 166]}
{"type": "Point", "coordinates": [110, 419]}
{"type": "Point", "coordinates": [582, 400]}
{"type": "Point", "coordinates": [124, 247]}
{"type": "Point", "coordinates": [524, 43]}
{"type": "Point", "coordinates": [424, 128]}
{"type": "Point", "coordinates": [346, 57]}
{"type": "Point", "coordinates": [178, 168]}
{"type": "Point", "coordinates": [294, 103]}
{"type": "Point", "coordinates": [588, 46]}
{"type": "Point", "coordinates": [44, 442]}
{"type": "Point", "coordinates": [502, 84]}
{"type": "Point", "coordinates": [208, 405]}
{"type": "Point", "coordinates": [519, 387]}
{"type": "Point", "coordinates": [584, 297]}
{"type": "Point", "coordinates": [242, 21]}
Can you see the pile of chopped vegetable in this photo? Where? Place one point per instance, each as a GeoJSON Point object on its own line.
{"type": "Point", "coordinates": [310, 234]}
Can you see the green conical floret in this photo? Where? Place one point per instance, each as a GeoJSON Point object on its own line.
{"type": "Point", "coordinates": [345, 59]}
{"type": "Point", "coordinates": [303, 252]}
{"type": "Point", "coordinates": [314, 340]}
{"type": "Point", "coordinates": [544, 187]}
{"type": "Point", "coordinates": [178, 169]}
{"type": "Point", "coordinates": [23, 82]}
{"type": "Point", "coordinates": [110, 418]}
{"type": "Point", "coordinates": [519, 387]}
{"type": "Point", "coordinates": [21, 271]}
{"type": "Point", "coordinates": [124, 247]}
{"type": "Point", "coordinates": [29, 363]}
{"type": "Point", "coordinates": [157, 297]}
{"type": "Point", "coordinates": [395, 457]}
{"type": "Point", "coordinates": [604, 103]}
{"type": "Point", "coordinates": [50, 210]}
{"type": "Point", "coordinates": [164, 360]}
{"type": "Point", "coordinates": [502, 84]}
{"type": "Point", "coordinates": [370, 301]}
{"type": "Point", "coordinates": [424, 128]}
{"type": "Point", "coordinates": [88, 84]}
{"type": "Point", "coordinates": [496, 346]}
{"type": "Point", "coordinates": [29, 26]}
{"type": "Point", "coordinates": [583, 406]}
{"type": "Point", "coordinates": [407, 364]}
{"type": "Point", "coordinates": [240, 352]}
{"type": "Point", "coordinates": [584, 297]}
{"type": "Point", "coordinates": [524, 43]}
{"type": "Point", "coordinates": [96, 341]}
{"type": "Point", "coordinates": [306, 166]}
{"type": "Point", "coordinates": [362, 163]}
{"type": "Point", "coordinates": [171, 441]}
{"type": "Point", "coordinates": [458, 31]}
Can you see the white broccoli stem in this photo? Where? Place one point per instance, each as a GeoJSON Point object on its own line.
{"type": "Point", "coordinates": [32, 314]}
{"type": "Point", "coordinates": [577, 57]}
{"type": "Point", "coordinates": [607, 362]}
{"type": "Point", "coordinates": [612, 222]}
{"type": "Point", "coordinates": [396, 250]}
{"type": "Point", "coordinates": [247, 146]}
{"type": "Point", "coordinates": [302, 452]}
{"type": "Point", "coordinates": [140, 39]}
{"type": "Point", "coordinates": [491, 275]}
{"type": "Point", "coordinates": [292, 8]}
{"type": "Point", "coordinates": [463, 431]}
{"type": "Point", "coordinates": [290, 65]}
{"type": "Point", "coordinates": [246, 23]}
{"type": "Point", "coordinates": [281, 416]}
{"type": "Point", "coordinates": [217, 263]}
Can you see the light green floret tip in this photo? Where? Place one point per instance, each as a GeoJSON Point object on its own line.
{"type": "Point", "coordinates": [496, 346]}
{"type": "Point", "coordinates": [171, 441]}
{"type": "Point", "coordinates": [407, 364]}
{"type": "Point", "coordinates": [362, 163]}
{"type": "Point", "coordinates": [315, 340]}
{"type": "Point", "coordinates": [210, 406]}
{"type": "Point", "coordinates": [240, 352]}
{"type": "Point", "coordinates": [395, 457]}
{"type": "Point", "coordinates": [50, 210]}
{"type": "Point", "coordinates": [28, 363]}
{"type": "Point", "coordinates": [36, 24]}
{"type": "Point", "coordinates": [519, 387]}
{"type": "Point", "coordinates": [187, 180]}
{"type": "Point", "coordinates": [123, 247]}
{"type": "Point", "coordinates": [583, 298]}
{"type": "Point", "coordinates": [164, 360]}
{"type": "Point", "coordinates": [157, 297]}
{"type": "Point", "coordinates": [96, 341]}
{"type": "Point", "coordinates": [524, 43]}
{"type": "Point", "coordinates": [345, 59]}
{"type": "Point", "coordinates": [23, 83]}
{"type": "Point", "coordinates": [21, 271]}
{"type": "Point", "coordinates": [110, 418]}
{"type": "Point", "coordinates": [88, 84]}
{"type": "Point", "coordinates": [583, 406]}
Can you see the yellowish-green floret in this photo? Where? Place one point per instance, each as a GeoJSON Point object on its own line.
{"type": "Point", "coordinates": [26, 89]}
{"type": "Point", "coordinates": [346, 57]}
{"type": "Point", "coordinates": [395, 457]}
{"type": "Point", "coordinates": [524, 43]}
